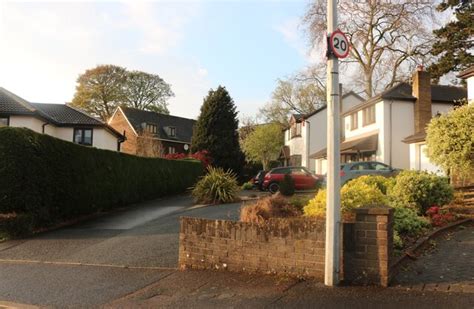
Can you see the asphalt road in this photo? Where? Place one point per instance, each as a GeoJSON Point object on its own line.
{"type": "Point", "coordinates": [94, 262]}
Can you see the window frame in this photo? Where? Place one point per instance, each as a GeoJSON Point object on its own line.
{"type": "Point", "coordinates": [172, 131]}
{"type": "Point", "coordinates": [7, 118]}
{"type": "Point", "coordinates": [354, 119]}
{"type": "Point", "coordinates": [368, 115]}
{"type": "Point", "coordinates": [151, 128]}
{"type": "Point", "coordinates": [171, 150]}
{"type": "Point", "coordinates": [83, 136]}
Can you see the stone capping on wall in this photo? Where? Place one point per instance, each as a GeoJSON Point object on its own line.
{"type": "Point", "coordinates": [290, 246]}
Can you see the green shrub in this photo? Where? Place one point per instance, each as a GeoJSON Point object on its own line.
{"type": "Point", "coordinates": [247, 186]}
{"type": "Point", "coordinates": [287, 186]}
{"type": "Point", "coordinates": [13, 225]}
{"type": "Point", "coordinates": [217, 186]}
{"type": "Point", "coordinates": [53, 180]}
{"type": "Point", "coordinates": [384, 184]}
{"type": "Point", "coordinates": [354, 194]}
{"type": "Point", "coordinates": [407, 222]}
{"type": "Point", "coordinates": [397, 241]}
{"type": "Point", "coordinates": [299, 201]}
{"type": "Point", "coordinates": [421, 189]}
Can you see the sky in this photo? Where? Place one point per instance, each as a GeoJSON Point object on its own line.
{"type": "Point", "coordinates": [196, 45]}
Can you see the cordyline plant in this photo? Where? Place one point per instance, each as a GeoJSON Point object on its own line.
{"type": "Point", "coordinates": [450, 141]}
{"type": "Point", "coordinates": [217, 186]}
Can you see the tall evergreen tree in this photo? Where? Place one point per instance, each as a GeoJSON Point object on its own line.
{"type": "Point", "coordinates": [216, 130]}
{"type": "Point", "coordinates": [455, 41]}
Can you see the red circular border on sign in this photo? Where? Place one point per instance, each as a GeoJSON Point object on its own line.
{"type": "Point", "coordinates": [332, 46]}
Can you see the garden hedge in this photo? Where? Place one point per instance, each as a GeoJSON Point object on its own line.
{"type": "Point", "coordinates": [51, 180]}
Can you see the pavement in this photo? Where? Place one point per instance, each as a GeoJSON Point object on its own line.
{"type": "Point", "coordinates": [128, 259]}
{"type": "Point", "coordinates": [446, 264]}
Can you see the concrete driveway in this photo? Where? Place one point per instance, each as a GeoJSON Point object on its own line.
{"type": "Point", "coordinates": [94, 262]}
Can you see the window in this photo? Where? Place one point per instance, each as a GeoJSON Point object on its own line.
{"type": "Point", "coordinates": [171, 150]}
{"type": "Point", "coordinates": [360, 167]}
{"type": "Point", "coordinates": [295, 130]}
{"type": "Point", "coordinates": [4, 121]}
{"type": "Point", "coordinates": [151, 128]}
{"type": "Point", "coordinates": [354, 123]}
{"type": "Point", "coordinates": [298, 171]}
{"type": "Point", "coordinates": [83, 136]}
{"type": "Point", "coordinates": [298, 128]}
{"type": "Point", "coordinates": [380, 167]}
{"type": "Point", "coordinates": [369, 115]}
{"type": "Point", "coordinates": [172, 131]}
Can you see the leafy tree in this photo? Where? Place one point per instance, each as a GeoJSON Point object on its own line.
{"type": "Point", "coordinates": [216, 130]}
{"type": "Point", "coordinates": [147, 91]}
{"type": "Point", "coordinates": [101, 90]}
{"type": "Point", "coordinates": [293, 96]}
{"type": "Point", "coordinates": [455, 41]}
{"type": "Point", "coordinates": [387, 38]}
{"type": "Point", "coordinates": [450, 141]}
{"type": "Point", "coordinates": [264, 144]}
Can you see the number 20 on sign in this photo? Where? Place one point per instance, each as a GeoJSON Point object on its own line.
{"type": "Point", "coordinates": [339, 44]}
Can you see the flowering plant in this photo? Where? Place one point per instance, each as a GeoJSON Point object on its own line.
{"type": "Point", "coordinates": [440, 217]}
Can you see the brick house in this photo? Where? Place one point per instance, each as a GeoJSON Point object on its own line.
{"type": "Point", "coordinates": [58, 120]}
{"type": "Point", "coordinates": [152, 134]}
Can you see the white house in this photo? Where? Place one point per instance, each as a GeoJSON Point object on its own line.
{"type": "Point", "coordinates": [59, 120]}
{"type": "Point", "coordinates": [307, 134]}
{"type": "Point", "coordinates": [380, 128]}
{"type": "Point", "coordinates": [418, 158]}
{"type": "Point", "coordinates": [468, 75]}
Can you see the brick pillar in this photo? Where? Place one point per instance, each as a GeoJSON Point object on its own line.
{"type": "Point", "coordinates": [368, 244]}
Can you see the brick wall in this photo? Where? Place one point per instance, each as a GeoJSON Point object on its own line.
{"type": "Point", "coordinates": [281, 246]}
{"type": "Point", "coordinates": [290, 246]}
{"type": "Point", "coordinates": [368, 247]}
{"type": "Point", "coordinates": [120, 123]}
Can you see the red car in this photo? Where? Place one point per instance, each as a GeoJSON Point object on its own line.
{"type": "Point", "coordinates": [303, 178]}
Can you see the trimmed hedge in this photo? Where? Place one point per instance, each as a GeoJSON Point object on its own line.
{"type": "Point", "coordinates": [53, 180]}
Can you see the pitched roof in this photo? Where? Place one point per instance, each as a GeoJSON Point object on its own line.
{"type": "Point", "coordinates": [362, 144]}
{"type": "Point", "coordinates": [403, 92]}
{"type": "Point", "coordinates": [184, 126]}
{"type": "Point", "coordinates": [57, 114]}
{"type": "Point", "coordinates": [415, 138]}
{"type": "Point", "coordinates": [13, 104]}
{"type": "Point", "coordinates": [62, 114]}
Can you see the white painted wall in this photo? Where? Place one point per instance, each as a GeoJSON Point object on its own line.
{"type": "Point", "coordinates": [29, 122]}
{"type": "Point", "coordinates": [102, 138]}
{"type": "Point", "coordinates": [403, 125]}
{"type": "Point", "coordinates": [441, 108]}
{"type": "Point", "coordinates": [419, 161]}
{"type": "Point", "coordinates": [470, 89]}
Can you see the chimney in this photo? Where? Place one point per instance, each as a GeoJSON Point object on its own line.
{"type": "Point", "coordinates": [421, 90]}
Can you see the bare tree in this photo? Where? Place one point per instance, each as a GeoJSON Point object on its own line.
{"type": "Point", "coordinates": [388, 38]}
{"type": "Point", "coordinates": [149, 146]}
{"type": "Point", "coordinates": [300, 94]}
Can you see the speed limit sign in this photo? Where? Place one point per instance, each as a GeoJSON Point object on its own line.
{"type": "Point", "coordinates": [339, 44]}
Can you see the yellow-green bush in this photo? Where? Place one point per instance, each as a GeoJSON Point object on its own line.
{"type": "Point", "coordinates": [384, 184]}
{"type": "Point", "coordinates": [356, 193]}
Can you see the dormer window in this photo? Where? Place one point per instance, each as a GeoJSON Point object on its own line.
{"type": "Point", "coordinates": [172, 131]}
{"type": "Point", "coordinates": [151, 128]}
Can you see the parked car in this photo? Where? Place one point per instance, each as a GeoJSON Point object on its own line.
{"type": "Point", "coordinates": [353, 170]}
{"type": "Point", "coordinates": [303, 178]}
{"type": "Point", "coordinates": [258, 180]}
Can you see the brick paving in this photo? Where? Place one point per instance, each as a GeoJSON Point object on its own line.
{"type": "Point", "coordinates": [446, 265]}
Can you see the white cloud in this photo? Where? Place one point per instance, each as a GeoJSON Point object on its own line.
{"type": "Point", "coordinates": [44, 47]}
{"type": "Point", "coordinates": [294, 37]}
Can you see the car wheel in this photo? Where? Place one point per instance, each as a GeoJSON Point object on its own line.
{"type": "Point", "coordinates": [274, 187]}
